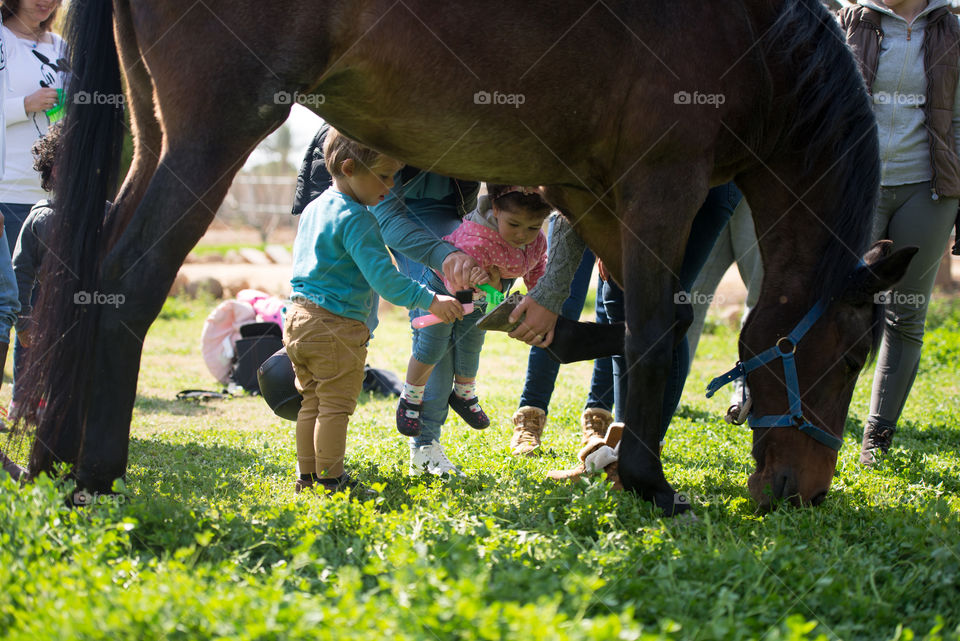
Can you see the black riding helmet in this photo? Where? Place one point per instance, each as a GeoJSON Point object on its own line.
{"type": "Point", "coordinates": [278, 385]}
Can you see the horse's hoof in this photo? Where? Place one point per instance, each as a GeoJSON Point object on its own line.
{"type": "Point", "coordinates": [686, 519]}
{"type": "Point", "coordinates": [672, 503]}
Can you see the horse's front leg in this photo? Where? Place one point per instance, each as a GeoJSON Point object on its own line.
{"type": "Point", "coordinates": [657, 210]}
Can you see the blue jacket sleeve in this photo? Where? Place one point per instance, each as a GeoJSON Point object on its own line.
{"type": "Point", "coordinates": [363, 242]}
{"type": "Point", "coordinates": [407, 236]}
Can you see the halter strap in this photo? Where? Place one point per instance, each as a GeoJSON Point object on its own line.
{"type": "Point", "coordinates": [784, 349]}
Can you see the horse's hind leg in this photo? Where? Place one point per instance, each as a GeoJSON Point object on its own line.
{"type": "Point", "coordinates": [64, 445]}
{"type": "Point", "coordinates": [189, 184]}
{"type": "Point", "coordinates": [147, 134]}
{"type": "Point", "coordinates": [177, 207]}
{"type": "Point", "coordinates": [657, 208]}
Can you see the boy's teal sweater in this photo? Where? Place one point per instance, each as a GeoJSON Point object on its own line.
{"type": "Point", "coordinates": [339, 260]}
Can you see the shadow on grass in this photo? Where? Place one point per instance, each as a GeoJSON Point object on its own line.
{"type": "Point", "coordinates": [156, 405]}
{"type": "Point", "coordinates": [181, 489]}
{"type": "Point", "coordinates": [194, 469]}
{"type": "Point", "coordinates": [696, 414]}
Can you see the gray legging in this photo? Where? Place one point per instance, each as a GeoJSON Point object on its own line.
{"type": "Point", "coordinates": [737, 244]}
{"type": "Point", "coordinates": [907, 215]}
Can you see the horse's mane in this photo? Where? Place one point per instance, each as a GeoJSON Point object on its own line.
{"type": "Point", "coordinates": [830, 121]}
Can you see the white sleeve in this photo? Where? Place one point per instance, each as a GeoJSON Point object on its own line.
{"type": "Point", "coordinates": [13, 108]}
{"type": "Point", "coordinates": [3, 90]}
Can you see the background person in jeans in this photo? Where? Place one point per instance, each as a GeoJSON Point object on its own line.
{"type": "Point", "coordinates": [542, 304]}
{"type": "Point", "coordinates": [917, 106]}
{"type": "Point", "coordinates": [9, 305]}
{"type": "Point", "coordinates": [531, 416]}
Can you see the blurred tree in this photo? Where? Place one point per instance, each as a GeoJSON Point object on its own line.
{"type": "Point", "coordinates": [280, 142]}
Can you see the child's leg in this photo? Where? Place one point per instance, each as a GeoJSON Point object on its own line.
{"type": "Point", "coordinates": [333, 351]}
{"type": "Point", "coordinates": [429, 344]}
{"type": "Point", "coordinates": [306, 420]}
{"type": "Point", "coordinates": [468, 341]}
{"type": "Point", "coordinates": [418, 373]}
{"type": "Point", "coordinates": [467, 344]}
{"type": "Point", "coordinates": [294, 333]}
{"type": "Point", "coordinates": [337, 397]}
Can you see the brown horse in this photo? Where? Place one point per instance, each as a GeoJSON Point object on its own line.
{"type": "Point", "coordinates": [626, 111]}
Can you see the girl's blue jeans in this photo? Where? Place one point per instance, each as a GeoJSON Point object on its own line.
{"type": "Point", "coordinates": [463, 338]}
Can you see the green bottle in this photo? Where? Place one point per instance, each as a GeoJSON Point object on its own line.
{"type": "Point", "coordinates": [55, 112]}
{"type": "Point", "coordinates": [494, 297]}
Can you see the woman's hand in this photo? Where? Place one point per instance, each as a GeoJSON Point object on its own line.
{"type": "Point", "coordinates": [446, 308]}
{"type": "Point", "coordinates": [604, 274]}
{"type": "Point", "coordinates": [40, 100]}
{"type": "Point", "coordinates": [537, 327]}
{"type": "Point", "coordinates": [25, 333]}
{"type": "Point", "coordinates": [458, 268]}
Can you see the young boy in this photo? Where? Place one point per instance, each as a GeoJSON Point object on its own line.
{"type": "Point", "coordinates": [339, 260]}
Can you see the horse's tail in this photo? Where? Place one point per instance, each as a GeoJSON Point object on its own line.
{"type": "Point", "coordinates": [832, 123]}
{"type": "Point", "coordinates": [87, 165]}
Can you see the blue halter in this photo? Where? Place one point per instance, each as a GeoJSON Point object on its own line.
{"type": "Point", "coordinates": [784, 349]}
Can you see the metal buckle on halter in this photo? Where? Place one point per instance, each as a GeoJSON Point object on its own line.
{"type": "Point", "coordinates": [784, 350]}
{"type": "Point", "coordinates": [793, 346]}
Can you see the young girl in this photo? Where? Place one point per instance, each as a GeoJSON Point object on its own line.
{"type": "Point", "coordinates": [339, 259]}
{"type": "Point", "coordinates": [504, 237]}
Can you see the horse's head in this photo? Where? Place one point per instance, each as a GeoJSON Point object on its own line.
{"type": "Point", "coordinates": [796, 451]}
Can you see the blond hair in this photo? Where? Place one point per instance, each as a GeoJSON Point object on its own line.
{"type": "Point", "coordinates": [337, 149]}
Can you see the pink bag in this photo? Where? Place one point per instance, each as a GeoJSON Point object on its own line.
{"type": "Point", "coordinates": [269, 308]}
{"type": "Point", "coordinates": [220, 332]}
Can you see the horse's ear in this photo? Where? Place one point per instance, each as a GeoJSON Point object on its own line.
{"type": "Point", "coordinates": [881, 270]}
{"type": "Point", "coordinates": [877, 251]}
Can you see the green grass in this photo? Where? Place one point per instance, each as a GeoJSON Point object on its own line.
{"type": "Point", "coordinates": [207, 540]}
{"type": "Point", "coordinates": [222, 249]}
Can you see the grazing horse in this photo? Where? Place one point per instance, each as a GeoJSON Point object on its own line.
{"type": "Point", "coordinates": [625, 111]}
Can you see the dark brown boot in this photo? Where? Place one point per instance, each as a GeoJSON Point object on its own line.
{"type": "Point", "coordinates": [877, 437]}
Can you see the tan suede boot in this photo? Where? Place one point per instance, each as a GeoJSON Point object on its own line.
{"type": "Point", "coordinates": [12, 468]}
{"type": "Point", "coordinates": [594, 421]}
{"type": "Point", "coordinates": [528, 427]}
{"type": "Point", "coordinates": [590, 456]}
